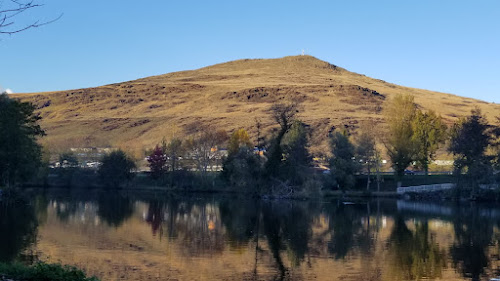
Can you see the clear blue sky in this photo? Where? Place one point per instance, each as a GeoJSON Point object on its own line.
{"type": "Point", "coordinates": [447, 45]}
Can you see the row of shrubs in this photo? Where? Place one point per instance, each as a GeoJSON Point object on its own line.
{"type": "Point", "coordinates": [42, 272]}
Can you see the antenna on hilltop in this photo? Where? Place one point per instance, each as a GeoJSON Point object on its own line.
{"type": "Point", "coordinates": [303, 52]}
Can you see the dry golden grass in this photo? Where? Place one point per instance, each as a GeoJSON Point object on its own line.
{"type": "Point", "coordinates": [137, 114]}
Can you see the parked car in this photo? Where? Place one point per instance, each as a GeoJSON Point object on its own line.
{"type": "Point", "coordinates": [409, 172]}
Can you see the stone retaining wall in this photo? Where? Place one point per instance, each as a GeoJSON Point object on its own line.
{"type": "Point", "coordinates": [425, 188]}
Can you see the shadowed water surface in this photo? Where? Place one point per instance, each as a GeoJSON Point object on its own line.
{"type": "Point", "coordinates": [155, 236]}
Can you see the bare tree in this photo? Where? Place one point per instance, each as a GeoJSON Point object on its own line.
{"type": "Point", "coordinates": [365, 153]}
{"type": "Point", "coordinates": [284, 114]}
{"type": "Point", "coordinates": [205, 149]}
{"type": "Point", "coordinates": [258, 126]}
{"type": "Point", "coordinates": [10, 9]}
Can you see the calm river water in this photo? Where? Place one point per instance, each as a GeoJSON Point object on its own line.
{"type": "Point", "coordinates": [148, 236]}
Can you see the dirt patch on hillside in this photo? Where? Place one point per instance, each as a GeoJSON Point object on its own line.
{"type": "Point", "coordinates": [268, 95]}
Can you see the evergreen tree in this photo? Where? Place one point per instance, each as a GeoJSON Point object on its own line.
{"type": "Point", "coordinates": [468, 143]}
{"type": "Point", "coordinates": [20, 154]}
{"type": "Point", "coordinates": [343, 165]}
{"type": "Point", "coordinates": [296, 158]}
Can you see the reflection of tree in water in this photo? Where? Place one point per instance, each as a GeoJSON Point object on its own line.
{"type": "Point", "coordinates": [195, 225]}
{"type": "Point", "coordinates": [154, 215]}
{"type": "Point", "coordinates": [414, 254]}
{"type": "Point", "coordinates": [472, 237]}
{"type": "Point", "coordinates": [65, 210]}
{"type": "Point", "coordinates": [344, 223]}
{"type": "Point", "coordinates": [240, 220]}
{"type": "Point", "coordinates": [114, 209]}
{"type": "Point", "coordinates": [285, 227]}
{"type": "Point", "coordinates": [204, 227]}
{"type": "Point", "coordinates": [350, 229]}
{"type": "Point", "coordinates": [18, 227]}
{"type": "Point", "coordinates": [271, 225]}
{"type": "Point", "coordinates": [41, 204]}
{"type": "Point", "coordinates": [296, 226]}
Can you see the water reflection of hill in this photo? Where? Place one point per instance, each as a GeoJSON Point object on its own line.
{"type": "Point", "coordinates": [158, 237]}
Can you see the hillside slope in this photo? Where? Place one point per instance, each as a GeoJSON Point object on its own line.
{"type": "Point", "coordinates": [138, 114]}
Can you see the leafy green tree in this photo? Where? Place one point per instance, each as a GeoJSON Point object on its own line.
{"type": "Point", "coordinates": [20, 154]}
{"type": "Point", "coordinates": [365, 154]}
{"type": "Point", "coordinates": [116, 168]}
{"type": "Point", "coordinates": [343, 165]}
{"type": "Point", "coordinates": [296, 158]}
{"type": "Point", "coordinates": [429, 132]}
{"type": "Point", "coordinates": [400, 144]}
{"type": "Point", "coordinates": [242, 167]}
{"type": "Point", "coordinates": [468, 143]}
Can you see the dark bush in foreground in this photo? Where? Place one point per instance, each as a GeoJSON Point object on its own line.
{"type": "Point", "coordinates": [43, 272]}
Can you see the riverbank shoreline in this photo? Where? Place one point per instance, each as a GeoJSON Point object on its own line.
{"type": "Point", "coordinates": [432, 192]}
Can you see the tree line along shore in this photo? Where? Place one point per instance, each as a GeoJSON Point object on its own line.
{"type": "Point", "coordinates": [278, 164]}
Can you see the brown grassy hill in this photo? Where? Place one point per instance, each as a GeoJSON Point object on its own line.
{"type": "Point", "coordinates": [138, 114]}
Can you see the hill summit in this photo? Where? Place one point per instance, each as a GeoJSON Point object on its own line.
{"type": "Point", "coordinates": [137, 114]}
